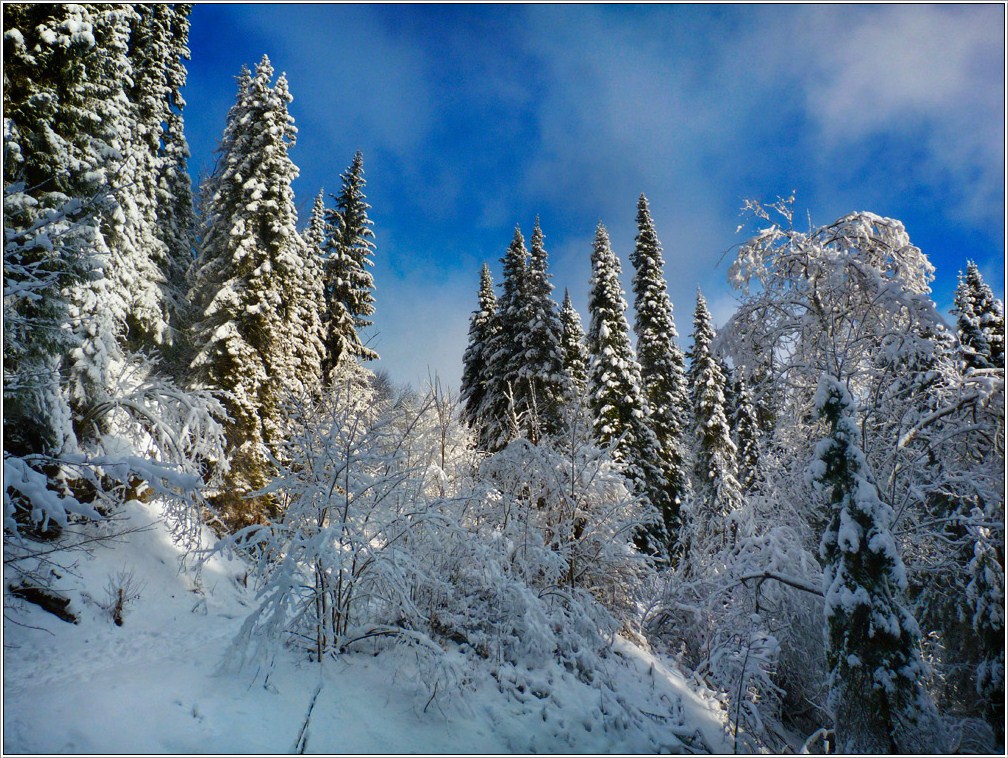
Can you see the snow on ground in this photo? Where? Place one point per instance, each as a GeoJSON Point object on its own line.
{"type": "Point", "coordinates": [155, 685]}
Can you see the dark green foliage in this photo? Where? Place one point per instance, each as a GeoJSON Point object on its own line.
{"type": "Point", "coordinates": [504, 404]}
{"type": "Point", "coordinates": [247, 330]}
{"type": "Point", "coordinates": [545, 383]}
{"type": "Point", "coordinates": [573, 342]}
{"type": "Point", "coordinates": [718, 495]}
{"type": "Point", "coordinates": [876, 692]}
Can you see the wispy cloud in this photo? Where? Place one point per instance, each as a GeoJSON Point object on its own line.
{"type": "Point", "coordinates": [473, 118]}
{"type": "Point", "coordinates": [927, 75]}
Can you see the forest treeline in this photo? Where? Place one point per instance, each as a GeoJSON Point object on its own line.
{"type": "Point", "coordinates": [806, 509]}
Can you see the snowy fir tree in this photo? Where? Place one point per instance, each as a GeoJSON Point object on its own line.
{"type": "Point", "coordinates": [88, 423]}
{"type": "Point", "coordinates": [251, 259]}
{"type": "Point", "coordinates": [544, 380]}
{"type": "Point", "coordinates": [158, 49]}
{"type": "Point", "coordinates": [65, 113]}
{"type": "Point", "coordinates": [747, 437]}
{"type": "Point", "coordinates": [986, 602]}
{"type": "Point", "coordinates": [980, 321]}
{"type": "Point", "coordinates": [717, 493]}
{"type": "Point", "coordinates": [877, 697]}
{"type": "Point", "coordinates": [616, 397]}
{"type": "Point", "coordinates": [573, 341]}
{"type": "Point", "coordinates": [476, 359]}
{"type": "Point", "coordinates": [306, 306]}
{"type": "Point", "coordinates": [504, 408]}
{"type": "Point", "coordinates": [349, 285]}
{"type": "Point", "coordinates": [663, 371]}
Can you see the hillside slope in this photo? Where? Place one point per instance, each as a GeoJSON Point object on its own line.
{"type": "Point", "coordinates": [156, 684]}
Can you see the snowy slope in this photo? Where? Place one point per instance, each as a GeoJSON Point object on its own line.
{"type": "Point", "coordinates": [155, 685]}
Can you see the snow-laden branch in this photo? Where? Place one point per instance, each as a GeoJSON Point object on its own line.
{"type": "Point", "coordinates": [790, 581]}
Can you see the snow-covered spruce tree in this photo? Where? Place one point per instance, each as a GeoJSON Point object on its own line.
{"type": "Point", "coordinates": [663, 369]}
{"type": "Point", "coordinates": [986, 600]}
{"type": "Point", "coordinates": [980, 321]}
{"type": "Point", "coordinates": [573, 341]}
{"type": "Point", "coordinates": [249, 263]}
{"type": "Point", "coordinates": [877, 697]}
{"type": "Point", "coordinates": [158, 47]}
{"type": "Point", "coordinates": [476, 360]}
{"type": "Point", "coordinates": [347, 258]}
{"type": "Point", "coordinates": [545, 381]}
{"type": "Point", "coordinates": [64, 107]}
{"type": "Point", "coordinates": [48, 232]}
{"type": "Point", "coordinates": [306, 307]}
{"type": "Point", "coordinates": [747, 437]}
{"type": "Point", "coordinates": [140, 178]}
{"type": "Point", "coordinates": [717, 495]}
{"type": "Point", "coordinates": [616, 398]}
{"type": "Point", "coordinates": [504, 406]}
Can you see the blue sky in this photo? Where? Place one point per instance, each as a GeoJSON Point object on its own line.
{"type": "Point", "coordinates": [474, 118]}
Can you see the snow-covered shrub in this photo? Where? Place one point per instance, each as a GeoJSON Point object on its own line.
{"type": "Point", "coordinates": [334, 568]}
{"type": "Point", "coordinates": [568, 515]}
{"type": "Point", "coordinates": [748, 620]}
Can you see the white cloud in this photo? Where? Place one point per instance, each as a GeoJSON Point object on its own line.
{"type": "Point", "coordinates": [383, 98]}
{"type": "Point", "coordinates": [421, 325]}
{"type": "Point", "coordinates": [930, 76]}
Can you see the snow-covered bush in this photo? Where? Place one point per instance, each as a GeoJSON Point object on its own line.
{"type": "Point", "coordinates": [336, 567]}
{"type": "Point", "coordinates": [748, 621]}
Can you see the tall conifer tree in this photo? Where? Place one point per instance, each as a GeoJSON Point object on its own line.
{"type": "Point", "coordinates": [575, 358]}
{"type": "Point", "coordinates": [980, 321]}
{"type": "Point", "coordinates": [663, 369]}
{"type": "Point", "coordinates": [616, 397]}
{"type": "Point", "coordinates": [718, 495]}
{"type": "Point", "coordinates": [747, 435]}
{"type": "Point", "coordinates": [66, 114]}
{"type": "Point", "coordinates": [545, 381]}
{"type": "Point", "coordinates": [247, 269]}
{"type": "Point", "coordinates": [504, 405]}
{"type": "Point", "coordinates": [176, 216]}
{"type": "Point", "coordinates": [476, 360]}
{"type": "Point", "coordinates": [349, 286]}
{"type": "Point", "coordinates": [876, 683]}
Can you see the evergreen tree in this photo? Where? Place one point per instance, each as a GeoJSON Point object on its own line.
{"type": "Point", "coordinates": [575, 359]}
{"type": "Point", "coordinates": [986, 601]}
{"type": "Point", "coordinates": [545, 381]}
{"type": "Point", "coordinates": [980, 320]}
{"type": "Point", "coordinates": [176, 215]}
{"type": "Point", "coordinates": [65, 116]}
{"type": "Point", "coordinates": [349, 286]}
{"type": "Point", "coordinates": [876, 692]}
{"type": "Point", "coordinates": [155, 178]}
{"type": "Point", "coordinates": [246, 271]}
{"type": "Point", "coordinates": [616, 398]}
{"type": "Point", "coordinates": [307, 303]}
{"type": "Point", "coordinates": [718, 495]}
{"type": "Point", "coordinates": [747, 436]}
{"type": "Point", "coordinates": [475, 361]}
{"type": "Point", "coordinates": [504, 406]}
{"type": "Point", "coordinates": [663, 370]}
